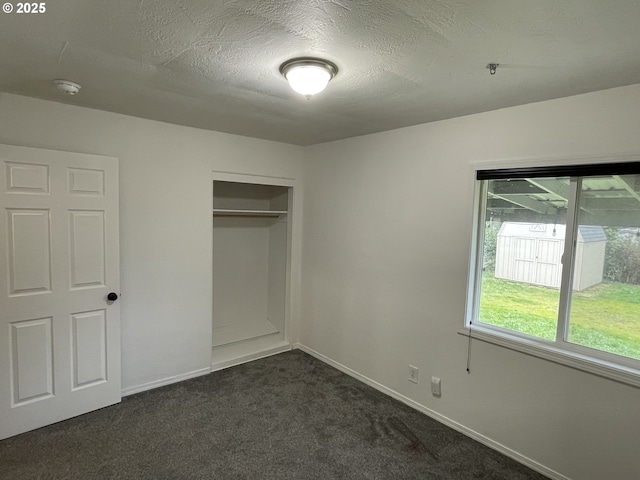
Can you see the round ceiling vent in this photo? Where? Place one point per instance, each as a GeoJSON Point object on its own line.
{"type": "Point", "coordinates": [67, 87]}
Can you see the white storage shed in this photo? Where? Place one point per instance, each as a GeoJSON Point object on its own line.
{"type": "Point", "coordinates": [532, 252]}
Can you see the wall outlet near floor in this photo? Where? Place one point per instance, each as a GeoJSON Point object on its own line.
{"type": "Point", "coordinates": [436, 386]}
{"type": "Point", "coordinates": [413, 374]}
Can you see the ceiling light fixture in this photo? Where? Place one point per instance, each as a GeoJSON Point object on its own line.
{"type": "Point", "coordinates": [308, 76]}
{"type": "Point", "coordinates": [492, 68]}
{"type": "Point", "coordinates": [67, 87]}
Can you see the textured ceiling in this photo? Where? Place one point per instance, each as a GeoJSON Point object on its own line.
{"type": "Point", "coordinates": [214, 64]}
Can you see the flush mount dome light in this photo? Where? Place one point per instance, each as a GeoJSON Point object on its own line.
{"type": "Point", "coordinates": [67, 87]}
{"type": "Point", "coordinates": [308, 76]}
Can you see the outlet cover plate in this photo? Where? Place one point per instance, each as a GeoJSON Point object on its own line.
{"type": "Point", "coordinates": [436, 387]}
{"type": "Point", "coordinates": [413, 374]}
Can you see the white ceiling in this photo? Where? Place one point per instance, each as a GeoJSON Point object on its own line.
{"type": "Point", "coordinates": [214, 64]}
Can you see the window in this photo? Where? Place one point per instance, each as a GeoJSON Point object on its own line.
{"type": "Point", "coordinates": [556, 268]}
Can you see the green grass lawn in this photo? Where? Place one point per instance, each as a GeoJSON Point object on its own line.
{"type": "Point", "coordinates": [605, 316]}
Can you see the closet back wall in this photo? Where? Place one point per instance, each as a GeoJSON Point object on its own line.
{"type": "Point", "coordinates": [166, 224]}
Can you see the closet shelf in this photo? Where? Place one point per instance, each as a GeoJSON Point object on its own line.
{"type": "Point", "coordinates": [225, 212]}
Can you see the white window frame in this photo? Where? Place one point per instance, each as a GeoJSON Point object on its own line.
{"type": "Point", "coordinates": [614, 367]}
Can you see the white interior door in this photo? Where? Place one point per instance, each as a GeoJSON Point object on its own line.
{"type": "Point", "coordinates": [59, 333]}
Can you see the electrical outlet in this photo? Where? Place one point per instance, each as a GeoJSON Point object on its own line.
{"type": "Point", "coordinates": [436, 387]}
{"type": "Point", "coordinates": [413, 374]}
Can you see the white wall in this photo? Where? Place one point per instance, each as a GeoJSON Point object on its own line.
{"type": "Point", "coordinates": [387, 231]}
{"type": "Point", "coordinates": [166, 222]}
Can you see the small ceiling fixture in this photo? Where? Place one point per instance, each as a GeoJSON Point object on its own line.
{"type": "Point", "coordinates": [308, 76]}
{"type": "Point", "coordinates": [492, 68]}
{"type": "Point", "coordinates": [67, 87]}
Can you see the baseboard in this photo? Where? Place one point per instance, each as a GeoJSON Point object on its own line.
{"type": "Point", "coordinates": [436, 416]}
{"type": "Point", "coordinates": [204, 371]}
{"type": "Point", "coordinates": [165, 381]}
{"type": "Point", "coordinates": [285, 347]}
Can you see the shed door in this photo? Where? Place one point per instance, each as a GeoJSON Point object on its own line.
{"type": "Point", "coordinates": [548, 270]}
{"type": "Point", "coordinates": [59, 335]}
{"type": "Point", "coordinates": [524, 258]}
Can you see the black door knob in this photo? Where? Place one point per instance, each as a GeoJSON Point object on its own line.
{"type": "Point", "coordinates": [112, 297]}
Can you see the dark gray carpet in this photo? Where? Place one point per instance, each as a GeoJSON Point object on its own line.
{"type": "Point", "coordinates": [289, 416]}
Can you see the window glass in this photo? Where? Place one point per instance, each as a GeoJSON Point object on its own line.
{"type": "Point", "coordinates": [523, 242]}
{"type": "Point", "coordinates": [605, 303]}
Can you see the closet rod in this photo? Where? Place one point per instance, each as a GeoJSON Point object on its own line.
{"type": "Point", "coordinates": [224, 212]}
{"type": "Point", "coordinates": [241, 215]}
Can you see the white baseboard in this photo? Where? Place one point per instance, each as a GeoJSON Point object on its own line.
{"type": "Point", "coordinates": [242, 332]}
{"type": "Point", "coordinates": [164, 381]}
{"type": "Point", "coordinates": [204, 371]}
{"type": "Point", "coordinates": [285, 347]}
{"type": "Point", "coordinates": [436, 416]}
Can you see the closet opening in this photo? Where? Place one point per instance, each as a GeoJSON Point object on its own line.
{"type": "Point", "coordinates": [251, 267]}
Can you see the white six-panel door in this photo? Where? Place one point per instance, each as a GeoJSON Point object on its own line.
{"type": "Point", "coordinates": [59, 260]}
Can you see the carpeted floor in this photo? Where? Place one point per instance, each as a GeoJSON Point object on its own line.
{"type": "Point", "coordinates": [289, 416]}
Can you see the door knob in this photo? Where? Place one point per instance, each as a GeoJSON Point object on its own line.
{"type": "Point", "coordinates": [112, 297]}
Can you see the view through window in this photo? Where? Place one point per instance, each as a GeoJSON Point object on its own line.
{"type": "Point", "coordinates": [558, 259]}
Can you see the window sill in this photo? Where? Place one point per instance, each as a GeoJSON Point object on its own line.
{"type": "Point", "coordinates": [596, 366]}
